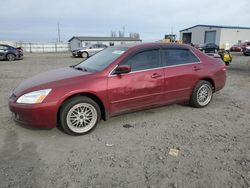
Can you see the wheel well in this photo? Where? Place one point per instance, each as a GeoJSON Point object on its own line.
{"type": "Point", "coordinates": [91, 96]}
{"type": "Point", "coordinates": [10, 53]}
{"type": "Point", "coordinates": [210, 81]}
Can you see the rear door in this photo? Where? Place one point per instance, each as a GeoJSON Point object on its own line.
{"type": "Point", "coordinates": [181, 71]}
{"type": "Point", "coordinates": [140, 88]}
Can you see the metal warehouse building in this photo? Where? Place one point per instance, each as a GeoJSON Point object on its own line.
{"type": "Point", "coordinates": [224, 36]}
{"type": "Point", "coordinates": [76, 42]}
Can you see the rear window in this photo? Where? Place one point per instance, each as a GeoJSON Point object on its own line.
{"type": "Point", "coordinates": [178, 56]}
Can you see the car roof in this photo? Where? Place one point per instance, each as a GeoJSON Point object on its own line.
{"type": "Point", "coordinates": [153, 44]}
{"type": "Point", "coordinates": [6, 45]}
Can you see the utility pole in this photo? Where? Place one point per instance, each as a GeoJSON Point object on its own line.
{"type": "Point", "coordinates": [123, 31]}
{"type": "Point", "coordinates": [58, 31]}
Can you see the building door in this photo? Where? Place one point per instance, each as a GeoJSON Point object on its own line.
{"type": "Point", "coordinates": [187, 38]}
{"type": "Point", "coordinates": [210, 37]}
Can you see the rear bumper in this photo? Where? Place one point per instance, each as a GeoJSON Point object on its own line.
{"type": "Point", "coordinates": [220, 80]}
{"type": "Point", "coordinates": [76, 54]}
{"type": "Point", "coordinates": [42, 115]}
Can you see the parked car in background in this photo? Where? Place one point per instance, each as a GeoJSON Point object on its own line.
{"type": "Point", "coordinates": [246, 50]}
{"type": "Point", "coordinates": [88, 50]}
{"type": "Point", "coordinates": [237, 47]}
{"type": "Point", "coordinates": [245, 44]}
{"type": "Point", "coordinates": [10, 53]}
{"type": "Point", "coordinates": [117, 80]}
{"type": "Point", "coordinates": [208, 47]}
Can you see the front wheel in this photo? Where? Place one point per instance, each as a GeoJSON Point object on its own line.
{"type": "Point", "coordinates": [10, 57]}
{"type": "Point", "coordinates": [202, 94]}
{"type": "Point", "coordinates": [79, 115]}
{"type": "Point", "coordinates": [85, 55]}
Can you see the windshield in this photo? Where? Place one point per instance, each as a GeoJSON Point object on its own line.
{"type": "Point", "coordinates": [101, 60]}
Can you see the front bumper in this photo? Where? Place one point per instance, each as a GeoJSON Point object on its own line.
{"type": "Point", "coordinates": [76, 54]}
{"type": "Point", "coordinates": [43, 115]}
{"type": "Point", "coordinates": [247, 52]}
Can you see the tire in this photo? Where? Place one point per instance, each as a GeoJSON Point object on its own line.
{"type": "Point", "coordinates": [227, 63]}
{"type": "Point", "coordinates": [79, 116]}
{"type": "Point", "coordinates": [10, 57]}
{"type": "Point", "coordinates": [202, 94]}
{"type": "Point", "coordinates": [85, 55]}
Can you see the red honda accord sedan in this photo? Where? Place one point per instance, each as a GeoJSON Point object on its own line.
{"type": "Point", "coordinates": [116, 80]}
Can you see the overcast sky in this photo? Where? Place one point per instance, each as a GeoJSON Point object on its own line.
{"type": "Point", "coordinates": [32, 20]}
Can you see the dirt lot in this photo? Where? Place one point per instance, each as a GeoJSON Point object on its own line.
{"type": "Point", "coordinates": [131, 150]}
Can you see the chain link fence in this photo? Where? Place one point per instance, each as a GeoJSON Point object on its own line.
{"type": "Point", "coordinates": [40, 47]}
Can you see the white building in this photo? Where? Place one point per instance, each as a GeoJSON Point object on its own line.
{"type": "Point", "coordinates": [77, 41]}
{"type": "Point", "coordinates": [224, 36]}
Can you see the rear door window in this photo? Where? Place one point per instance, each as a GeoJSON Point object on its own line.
{"type": "Point", "coordinates": [173, 57]}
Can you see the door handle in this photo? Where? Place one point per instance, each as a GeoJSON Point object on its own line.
{"type": "Point", "coordinates": [196, 68]}
{"type": "Point", "coordinates": [155, 75]}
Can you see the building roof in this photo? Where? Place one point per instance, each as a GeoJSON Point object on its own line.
{"type": "Point", "coordinates": [216, 26]}
{"type": "Point", "coordinates": [82, 38]}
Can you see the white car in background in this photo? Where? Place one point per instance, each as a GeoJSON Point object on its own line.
{"type": "Point", "coordinates": [88, 50]}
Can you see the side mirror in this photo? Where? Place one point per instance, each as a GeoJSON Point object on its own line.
{"type": "Point", "coordinates": [121, 69]}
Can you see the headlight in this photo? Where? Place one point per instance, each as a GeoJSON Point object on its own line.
{"type": "Point", "coordinates": [34, 97]}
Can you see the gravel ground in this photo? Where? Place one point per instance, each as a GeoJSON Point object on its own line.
{"type": "Point", "coordinates": [131, 150]}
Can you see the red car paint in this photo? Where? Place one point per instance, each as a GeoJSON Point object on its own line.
{"type": "Point", "coordinates": [239, 47]}
{"type": "Point", "coordinates": [117, 93]}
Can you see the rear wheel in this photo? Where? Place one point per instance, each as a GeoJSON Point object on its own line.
{"type": "Point", "coordinates": [79, 115]}
{"type": "Point", "coordinates": [202, 94]}
{"type": "Point", "coordinates": [10, 57]}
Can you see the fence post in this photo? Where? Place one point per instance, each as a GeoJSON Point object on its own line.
{"type": "Point", "coordinates": [30, 48]}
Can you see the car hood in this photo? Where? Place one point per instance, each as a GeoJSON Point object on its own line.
{"type": "Point", "coordinates": [77, 49]}
{"type": "Point", "coordinates": [48, 79]}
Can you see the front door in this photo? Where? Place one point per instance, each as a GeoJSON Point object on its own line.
{"type": "Point", "coordinates": [2, 51]}
{"type": "Point", "coordinates": [140, 88]}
